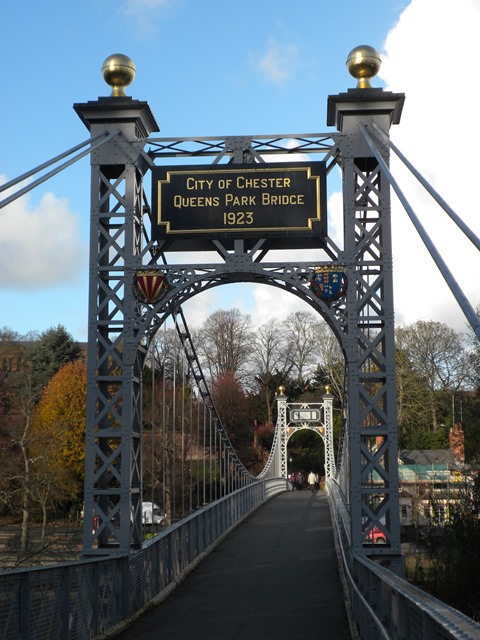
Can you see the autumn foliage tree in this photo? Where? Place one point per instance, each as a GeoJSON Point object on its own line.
{"type": "Point", "coordinates": [233, 408]}
{"type": "Point", "coordinates": [59, 426]}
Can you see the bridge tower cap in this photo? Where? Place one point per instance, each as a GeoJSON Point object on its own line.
{"type": "Point", "coordinates": [363, 63]}
{"type": "Point", "coordinates": [118, 71]}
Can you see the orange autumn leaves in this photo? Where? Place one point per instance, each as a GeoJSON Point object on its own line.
{"type": "Point", "coordinates": [59, 423]}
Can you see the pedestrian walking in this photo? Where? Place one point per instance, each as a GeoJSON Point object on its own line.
{"type": "Point", "coordinates": [299, 480]}
{"type": "Point", "coordinates": [293, 480]}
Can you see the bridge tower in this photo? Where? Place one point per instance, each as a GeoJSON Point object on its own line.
{"type": "Point", "coordinates": [113, 464]}
{"type": "Point", "coordinates": [316, 417]}
{"type": "Point", "coordinates": [369, 346]}
{"type": "Point", "coordinates": [121, 326]}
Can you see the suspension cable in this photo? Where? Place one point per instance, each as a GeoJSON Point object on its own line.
{"type": "Point", "coordinates": [164, 420]}
{"type": "Point", "coordinates": [104, 137]}
{"type": "Point", "coordinates": [437, 197]}
{"type": "Point", "coordinates": [174, 421]}
{"type": "Point", "coordinates": [48, 163]}
{"type": "Point", "coordinates": [460, 297]}
{"type": "Point", "coordinates": [183, 433]}
{"type": "Point", "coordinates": [219, 470]}
{"type": "Point", "coordinates": [190, 477]}
{"type": "Point", "coordinates": [152, 438]}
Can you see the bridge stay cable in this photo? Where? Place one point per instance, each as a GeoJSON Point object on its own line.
{"type": "Point", "coordinates": [455, 288]}
{"type": "Point", "coordinates": [203, 388]}
{"type": "Point", "coordinates": [469, 233]}
{"type": "Point", "coordinates": [95, 142]}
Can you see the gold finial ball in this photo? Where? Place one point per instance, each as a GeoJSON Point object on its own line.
{"type": "Point", "coordinates": [363, 63]}
{"type": "Point", "coordinates": [281, 390]}
{"type": "Point", "coordinates": [118, 71]}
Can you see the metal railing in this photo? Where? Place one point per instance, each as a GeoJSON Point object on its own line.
{"type": "Point", "coordinates": [93, 598]}
{"type": "Point", "coordinates": [89, 598]}
{"type": "Point", "coordinates": [383, 605]}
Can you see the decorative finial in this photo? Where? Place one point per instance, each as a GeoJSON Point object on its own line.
{"type": "Point", "coordinates": [327, 389]}
{"type": "Point", "coordinates": [118, 71]}
{"type": "Point", "coordinates": [282, 390]}
{"type": "Point", "coordinates": [363, 63]}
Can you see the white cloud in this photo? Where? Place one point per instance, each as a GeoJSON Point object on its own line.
{"type": "Point", "coordinates": [133, 7]}
{"type": "Point", "coordinates": [40, 246]}
{"type": "Point", "coordinates": [430, 55]}
{"type": "Point", "coordinates": [199, 308]}
{"type": "Point", "coordinates": [335, 218]}
{"type": "Point", "coordinates": [143, 12]}
{"type": "Point", "coordinates": [273, 303]}
{"type": "Point", "coordinates": [278, 63]}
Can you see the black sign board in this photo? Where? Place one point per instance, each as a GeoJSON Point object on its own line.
{"type": "Point", "coordinates": [239, 200]}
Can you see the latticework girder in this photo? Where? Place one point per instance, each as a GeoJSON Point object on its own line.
{"type": "Point", "coordinates": [115, 354]}
{"type": "Point", "coordinates": [370, 429]}
{"type": "Point", "coordinates": [256, 145]}
{"type": "Point", "coordinates": [186, 281]}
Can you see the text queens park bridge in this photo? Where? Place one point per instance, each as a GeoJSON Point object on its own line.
{"type": "Point", "coordinates": [244, 206]}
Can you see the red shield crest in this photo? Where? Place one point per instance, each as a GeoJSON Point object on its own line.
{"type": "Point", "coordinates": [149, 286]}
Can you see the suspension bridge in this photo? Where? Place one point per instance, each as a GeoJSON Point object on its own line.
{"type": "Point", "coordinates": [244, 206]}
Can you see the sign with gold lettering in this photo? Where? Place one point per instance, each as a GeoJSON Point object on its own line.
{"type": "Point", "coordinates": [235, 201]}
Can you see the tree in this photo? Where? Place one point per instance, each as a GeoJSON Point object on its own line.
{"type": "Point", "coordinates": [225, 344]}
{"type": "Point", "coordinates": [271, 362]}
{"type": "Point", "coordinates": [27, 363]}
{"type": "Point", "coordinates": [437, 354]}
{"type": "Point", "coordinates": [58, 439]}
{"type": "Point", "coordinates": [454, 574]}
{"type": "Point", "coordinates": [54, 348]}
{"type": "Point", "coordinates": [413, 412]}
{"type": "Point", "coordinates": [27, 386]}
{"type": "Point", "coordinates": [10, 346]}
{"type": "Point", "coordinates": [233, 409]}
{"type": "Point", "coordinates": [331, 366]}
{"type": "Point", "coordinates": [167, 356]}
{"type": "Point", "coordinates": [59, 421]}
{"type": "Point", "coordinates": [474, 354]}
{"type": "Point", "coordinates": [302, 346]}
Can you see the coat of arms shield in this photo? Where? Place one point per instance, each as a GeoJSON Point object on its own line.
{"type": "Point", "coordinates": [149, 286]}
{"type": "Point", "coordinates": [328, 284]}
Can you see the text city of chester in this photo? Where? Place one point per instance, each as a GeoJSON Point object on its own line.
{"type": "Point", "coordinates": [222, 199]}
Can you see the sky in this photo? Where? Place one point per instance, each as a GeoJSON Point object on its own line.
{"type": "Point", "coordinates": [217, 68]}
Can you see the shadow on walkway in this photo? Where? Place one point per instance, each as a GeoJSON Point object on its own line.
{"type": "Point", "coordinates": [274, 577]}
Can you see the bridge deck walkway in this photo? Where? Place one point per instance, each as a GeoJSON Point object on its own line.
{"type": "Point", "coordinates": [274, 577]}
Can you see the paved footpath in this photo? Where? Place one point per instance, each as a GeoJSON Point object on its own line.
{"type": "Point", "coordinates": [275, 577]}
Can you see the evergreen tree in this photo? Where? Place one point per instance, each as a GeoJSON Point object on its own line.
{"type": "Point", "coordinates": [54, 348]}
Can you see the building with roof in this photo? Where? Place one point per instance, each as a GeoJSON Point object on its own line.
{"type": "Point", "coordinates": [430, 480]}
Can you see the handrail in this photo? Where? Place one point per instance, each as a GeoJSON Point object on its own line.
{"type": "Point", "coordinates": [384, 604]}
{"type": "Point", "coordinates": [86, 599]}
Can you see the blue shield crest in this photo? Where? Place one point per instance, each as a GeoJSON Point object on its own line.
{"type": "Point", "coordinates": [328, 284]}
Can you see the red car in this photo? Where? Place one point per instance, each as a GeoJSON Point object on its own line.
{"type": "Point", "coordinates": [375, 536]}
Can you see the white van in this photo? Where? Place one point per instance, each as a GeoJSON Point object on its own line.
{"type": "Point", "coordinates": [149, 515]}
{"type": "Point", "coordinates": [152, 514]}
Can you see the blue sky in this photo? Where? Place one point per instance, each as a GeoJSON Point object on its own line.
{"type": "Point", "coordinates": [230, 68]}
